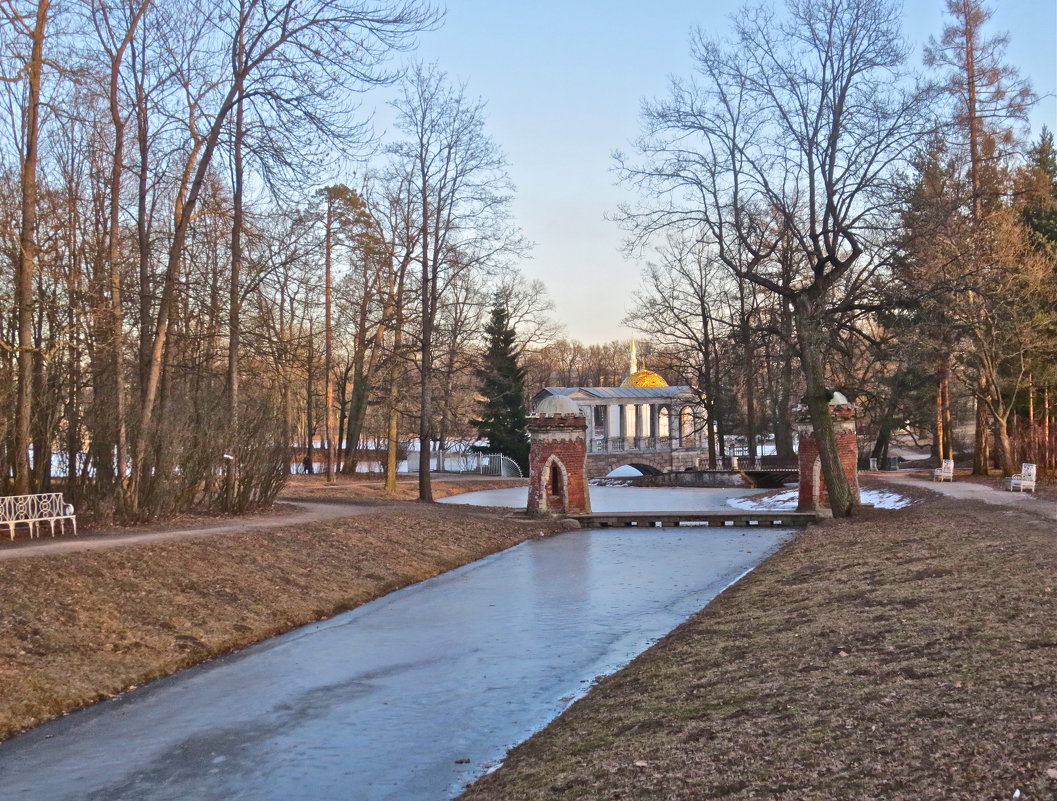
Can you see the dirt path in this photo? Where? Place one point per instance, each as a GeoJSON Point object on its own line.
{"type": "Point", "coordinates": [307, 512]}
{"type": "Point", "coordinates": [314, 501]}
{"type": "Point", "coordinates": [972, 491]}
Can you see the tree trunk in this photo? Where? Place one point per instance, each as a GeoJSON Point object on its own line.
{"type": "Point", "coordinates": [143, 231]}
{"type": "Point", "coordinates": [234, 312]}
{"type": "Point", "coordinates": [429, 310]}
{"type": "Point", "coordinates": [309, 422]}
{"type": "Point", "coordinates": [328, 351]}
{"type": "Point", "coordinates": [948, 426]}
{"type": "Point", "coordinates": [1047, 450]}
{"type": "Point", "coordinates": [1005, 447]}
{"type": "Point", "coordinates": [750, 401]}
{"type": "Point", "coordinates": [357, 412]}
{"type": "Point", "coordinates": [425, 429]}
{"type": "Point", "coordinates": [1033, 440]}
{"type": "Point", "coordinates": [117, 328]}
{"type": "Point", "coordinates": [941, 439]}
{"type": "Point", "coordinates": [749, 376]}
{"type": "Point", "coordinates": [393, 415]}
{"type": "Point", "coordinates": [811, 339]}
{"type": "Point", "coordinates": [27, 257]}
{"type": "Point", "coordinates": [981, 455]}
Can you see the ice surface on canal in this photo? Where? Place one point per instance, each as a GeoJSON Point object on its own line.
{"type": "Point", "coordinates": [620, 499]}
{"type": "Point", "coordinates": [407, 697]}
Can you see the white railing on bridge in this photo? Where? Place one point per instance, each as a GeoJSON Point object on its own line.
{"type": "Point", "coordinates": [625, 444]}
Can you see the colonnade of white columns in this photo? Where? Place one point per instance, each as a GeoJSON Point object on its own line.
{"type": "Point", "coordinates": [634, 422]}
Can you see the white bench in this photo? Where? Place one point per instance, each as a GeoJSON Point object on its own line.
{"type": "Point", "coordinates": [1023, 480]}
{"type": "Point", "coordinates": [945, 472]}
{"type": "Point", "coordinates": [32, 510]}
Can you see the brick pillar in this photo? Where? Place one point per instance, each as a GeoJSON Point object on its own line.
{"type": "Point", "coordinates": [558, 464]}
{"type": "Point", "coordinates": [814, 495]}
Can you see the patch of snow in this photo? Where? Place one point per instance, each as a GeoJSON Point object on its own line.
{"type": "Point", "coordinates": [786, 499]}
{"type": "Point", "coordinates": [885, 500]}
{"type": "Point", "coordinates": [778, 502]}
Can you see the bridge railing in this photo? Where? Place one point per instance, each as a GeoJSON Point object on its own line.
{"type": "Point", "coordinates": [626, 444]}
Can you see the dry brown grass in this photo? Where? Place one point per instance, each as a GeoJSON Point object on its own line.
{"type": "Point", "coordinates": [367, 488]}
{"type": "Point", "coordinates": [901, 655]}
{"type": "Point", "coordinates": [77, 628]}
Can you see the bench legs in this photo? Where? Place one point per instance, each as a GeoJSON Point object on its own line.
{"type": "Point", "coordinates": [34, 526]}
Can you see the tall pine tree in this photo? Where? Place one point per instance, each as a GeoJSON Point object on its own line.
{"type": "Point", "coordinates": [503, 418]}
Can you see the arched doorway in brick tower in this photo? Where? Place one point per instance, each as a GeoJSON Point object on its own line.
{"type": "Point", "coordinates": [557, 491]}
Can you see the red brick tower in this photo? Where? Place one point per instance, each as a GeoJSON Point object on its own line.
{"type": "Point", "coordinates": [814, 495]}
{"type": "Point", "coordinates": [558, 458]}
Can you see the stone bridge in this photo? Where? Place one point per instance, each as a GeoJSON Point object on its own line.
{"type": "Point", "coordinates": [647, 461]}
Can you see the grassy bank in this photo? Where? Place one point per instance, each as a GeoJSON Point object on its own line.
{"type": "Point", "coordinates": [901, 655]}
{"type": "Point", "coordinates": [367, 488]}
{"type": "Point", "coordinates": [80, 627]}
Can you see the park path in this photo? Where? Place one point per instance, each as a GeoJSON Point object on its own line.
{"type": "Point", "coordinates": [307, 512]}
{"type": "Point", "coordinates": [973, 491]}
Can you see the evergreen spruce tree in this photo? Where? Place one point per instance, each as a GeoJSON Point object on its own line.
{"type": "Point", "coordinates": [1040, 211]}
{"type": "Point", "coordinates": [503, 419]}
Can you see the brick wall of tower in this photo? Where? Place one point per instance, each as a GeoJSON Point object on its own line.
{"type": "Point", "coordinates": [848, 450]}
{"type": "Point", "coordinates": [564, 438]}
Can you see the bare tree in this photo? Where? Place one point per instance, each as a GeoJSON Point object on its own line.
{"type": "Point", "coordinates": [277, 50]}
{"type": "Point", "coordinates": [528, 305]}
{"type": "Point", "coordinates": [27, 29]}
{"type": "Point", "coordinates": [463, 195]}
{"type": "Point", "coordinates": [794, 130]}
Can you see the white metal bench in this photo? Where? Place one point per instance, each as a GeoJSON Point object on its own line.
{"type": "Point", "coordinates": [945, 472]}
{"type": "Point", "coordinates": [32, 510]}
{"type": "Point", "coordinates": [1023, 480]}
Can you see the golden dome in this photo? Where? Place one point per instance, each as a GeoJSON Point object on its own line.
{"type": "Point", "coordinates": [644, 378]}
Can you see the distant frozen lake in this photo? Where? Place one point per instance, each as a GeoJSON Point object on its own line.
{"type": "Point", "coordinates": [621, 499]}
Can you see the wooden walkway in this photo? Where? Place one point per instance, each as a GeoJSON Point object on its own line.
{"type": "Point", "coordinates": [735, 517]}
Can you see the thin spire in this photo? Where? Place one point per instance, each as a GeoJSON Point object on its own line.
{"type": "Point", "coordinates": [634, 362]}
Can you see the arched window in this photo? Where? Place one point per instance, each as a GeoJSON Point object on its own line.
{"type": "Point", "coordinates": [555, 481]}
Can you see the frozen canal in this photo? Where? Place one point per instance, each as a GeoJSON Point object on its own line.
{"type": "Point", "coordinates": [621, 499]}
{"type": "Point", "coordinates": [406, 698]}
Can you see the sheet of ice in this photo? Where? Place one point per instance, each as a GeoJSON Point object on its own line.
{"type": "Point", "coordinates": [620, 499]}
{"type": "Point", "coordinates": [787, 500]}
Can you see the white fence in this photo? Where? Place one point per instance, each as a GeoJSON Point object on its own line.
{"type": "Point", "coordinates": [466, 461]}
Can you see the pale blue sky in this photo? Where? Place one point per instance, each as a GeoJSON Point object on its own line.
{"type": "Point", "coordinates": [563, 82]}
